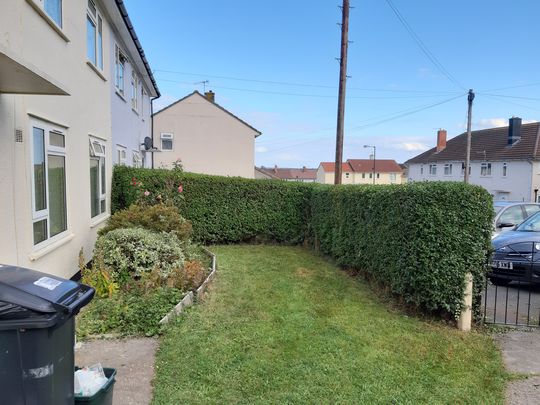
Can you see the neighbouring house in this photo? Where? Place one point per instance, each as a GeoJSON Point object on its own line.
{"type": "Point", "coordinates": [264, 175]}
{"type": "Point", "coordinates": [205, 137]}
{"type": "Point", "coordinates": [362, 171]}
{"type": "Point", "coordinates": [56, 126]}
{"type": "Point", "coordinates": [504, 160]}
{"type": "Point", "coordinates": [303, 174]}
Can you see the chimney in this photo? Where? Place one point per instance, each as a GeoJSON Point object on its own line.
{"type": "Point", "coordinates": [371, 157]}
{"type": "Point", "coordinates": [275, 169]}
{"type": "Point", "coordinates": [441, 139]}
{"type": "Point", "coordinates": [210, 95]}
{"type": "Point", "coordinates": [304, 168]}
{"type": "Point", "coordinates": [514, 130]}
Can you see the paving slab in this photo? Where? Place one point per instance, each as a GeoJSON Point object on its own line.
{"type": "Point", "coordinates": [521, 354]}
{"type": "Point", "coordinates": [133, 360]}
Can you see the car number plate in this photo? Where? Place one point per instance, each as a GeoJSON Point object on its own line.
{"type": "Point", "coordinates": [500, 264]}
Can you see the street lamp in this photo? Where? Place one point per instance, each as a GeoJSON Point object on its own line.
{"type": "Point", "coordinates": [374, 152]}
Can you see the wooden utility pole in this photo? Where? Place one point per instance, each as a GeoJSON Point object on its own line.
{"type": "Point", "coordinates": [470, 99]}
{"type": "Point", "coordinates": [342, 86]}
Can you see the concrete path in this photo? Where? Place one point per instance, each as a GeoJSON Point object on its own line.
{"type": "Point", "coordinates": [521, 354]}
{"type": "Point", "coordinates": [133, 360]}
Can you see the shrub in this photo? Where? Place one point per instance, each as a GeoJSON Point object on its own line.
{"type": "Point", "coordinates": [158, 218]}
{"type": "Point", "coordinates": [188, 278]}
{"type": "Point", "coordinates": [131, 252]}
{"type": "Point", "coordinates": [222, 209]}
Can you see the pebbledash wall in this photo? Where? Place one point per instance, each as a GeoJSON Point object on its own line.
{"type": "Point", "coordinates": [56, 148]}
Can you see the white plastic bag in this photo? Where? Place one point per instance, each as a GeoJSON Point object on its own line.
{"type": "Point", "coordinates": [89, 380]}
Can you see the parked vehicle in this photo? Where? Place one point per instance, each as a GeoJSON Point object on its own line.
{"type": "Point", "coordinates": [510, 214]}
{"type": "Point", "coordinates": [516, 254]}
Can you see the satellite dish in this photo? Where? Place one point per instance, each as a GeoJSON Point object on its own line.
{"type": "Point", "coordinates": [148, 144]}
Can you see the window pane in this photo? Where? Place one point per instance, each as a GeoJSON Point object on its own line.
{"type": "Point", "coordinates": [54, 9]}
{"type": "Point", "coordinates": [56, 139]}
{"type": "Point", "coordinates": [532, 209]}
{"type": "Point", "coordinates": [102, 206]}
{"type": "Point", "coordinates": [40, 186]}
{"type": "Point", "coordinates": [512, 215]}
{"type": "Point", "coordinates": [102, 165]}
{"type": "Point", "coordinates": [94, 187]}
{"type": "Point", "coordinates": [100, 43]}
{"type": "Point", "coordinates": [57, 194]}
{"type": "Point", "coordinates": [92, 7]}
{"type": "Point", "coordinates": [166, 144]}
{"type": "Point", "coordinates": [40, 231]}
{"type": "Point", "coordinates": [90, 40]}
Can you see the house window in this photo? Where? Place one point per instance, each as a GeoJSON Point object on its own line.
{"type": "Point", "coordinates": [448, 169]}
{"type": "Point", "coordinates": [463, 169]}
{"type": "Point", "coordinates": [49, 213]}
{"type": "Point", "coordinates": [371, 175]}
{"type": "Point", "coordinates": [94, 35]}
{"type": "Point", "coordinates": [97, 178]}
{"type": "Point", "coordinates": [119, 70]}
{"type": "Point", "coordinates": [421, 169]}
{"type": "Point", "coordinates": [363, 175]}
{"type": "Point", "coordinates": [121, 155]}
{"type": "Point", "coordinates": [134, 90]}
{"type": "Point", "coordinates": [143, 97]}
{"type": "Point", "coordinates": [504, 169]}
{"type": "Point", "coordinates": [53, 8]}
{"type": "Point", "coordinates": [378, 175]}
{"type": "Point", "coordinates": [136, 159]}
{"type": "Point", "coordinates": [392, 177]}
{"type": "Point", "coordinates": [485, 169]}
{"type": "Point", "coordinates": [346, 175]}
{"type": "Point", "coordinates": [433, 170]}
{"type": "Point", "coordinates": [166, 141]}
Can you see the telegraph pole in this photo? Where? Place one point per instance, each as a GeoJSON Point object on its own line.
{"type": "Point", "coordinates": [342, 86]}
{"type": "Point", "coordinates": [470, 99]}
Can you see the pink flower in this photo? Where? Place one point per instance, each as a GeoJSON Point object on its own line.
{"type": "Point", "coordinates": [180, 188]}
{"type": "Point", "coordinates": [146, 193]}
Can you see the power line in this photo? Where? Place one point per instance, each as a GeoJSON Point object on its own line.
{"type": "Point", "coordinates": [515, 87]}
{"type": "Point", "coordinates": [295, 84]}
{"type": "Point", "coordinates": [506, 96]}
{"type": "Point", "coordinates": [423, 46]}
{"type": "Point", "coordinates": [280, 93]}
{"type": "Point", "coordinates": [496, 98]}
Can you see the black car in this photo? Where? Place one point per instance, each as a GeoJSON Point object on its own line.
{"type": "Point", "coordinates": [516, 254]}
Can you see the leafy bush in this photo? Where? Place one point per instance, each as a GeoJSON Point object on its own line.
{"type": "Point", "coordinates": [158, 218]}
{"type": "Point", "coordinates": [100, 277]}
{"type": "Point", "coordinates": [131, 252]}
{"type": "Point", "coordinates": [222, 209]}
{"type": "Point", "coordinates": [418, 239]}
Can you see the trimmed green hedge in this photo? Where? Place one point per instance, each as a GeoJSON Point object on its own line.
{"type": "Point", "coordinates": [418, 239]}
{"type": "Point", "coordinates": [223, 209]}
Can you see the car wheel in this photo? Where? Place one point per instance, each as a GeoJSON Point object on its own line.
{"type": "Point", "coordinates": [502, 282]}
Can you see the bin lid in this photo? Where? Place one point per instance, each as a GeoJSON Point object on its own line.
{"type": "Point", "coordinates": [34, 290]}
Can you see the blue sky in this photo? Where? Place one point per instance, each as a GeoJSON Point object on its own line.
{"type": "Point", "coordinates": [273, 64]}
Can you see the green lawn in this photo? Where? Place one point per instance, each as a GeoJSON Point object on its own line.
{"type": "Point", "coordinates": [282, 325]}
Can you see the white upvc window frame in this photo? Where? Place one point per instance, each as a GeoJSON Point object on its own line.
{"type": "Point", "coordinates": [169, 137]}
{"type": "Point", "coordinates": [41, 4]}
{"type": "Point", "coordinates": [447, 171]}
{"type": "Point", "coordinates": [136, 158]}
{"type": "Point", "coordinates": [121, 155]}
{"type": "Point", "coordinates": [433, 169]}
{"type": "Point", "coordinates": [49, 150]}
{"type": "Point", "coordinates": [120, 78]}
{"type": "Point", "coordinates": [134, 91]}
{"type": "Point", "coordinates": [485, 169]}
{"type": "Point", "coordinates": [393, 177]}
{"type": "Point", "coordinates": [504, 169]}
{"type": "Point", "coordinates": [97, 20]}
{"type": "Point", "coordinates": [98, 150]}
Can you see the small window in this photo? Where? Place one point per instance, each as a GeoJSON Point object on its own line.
{"type": "Point", "coordinates": [421, 169]}
{"type": "Point", "coordinates": [371, 175]}
{"type": "Point", "coordinates": [363, 175]}
{"type": "Point", "coordinates": [504, 169]}
{"type": "Point", "coordinates": [53, 8]}
{"type": "Point", "coordinates": [136, 159]}
{"type": "Point", "coordinates": [98, 189]}
{"type": "Point", "coordinates": [94, 35]}
{"type": "Point", "coordinates": [485, 169]}
{"type": "Point", "coordinates": [166, 141]}
{"type": "Point", "coordinates": [134, 90]}
{"type": "Point", "coordinates": [346, 175]}
{"type": "Point", "coordinates": [121, 155]}
{"type": "Point", "coordinates": [433, 170]}
{"type": "Point", "coordinates": [119, 70]}
{"type": "Point", "coordinates": [378, 175]}
{"type": "Point", "coordinates": [463, 169]}
{"type": "Point", "coordinates": [392, 177]}
{"type": "Point", "coordinates": [448, 169]}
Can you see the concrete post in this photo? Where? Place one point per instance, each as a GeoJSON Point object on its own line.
{"type": "Point", "coordinates": [465, 319]}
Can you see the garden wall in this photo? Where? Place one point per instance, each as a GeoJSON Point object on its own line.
{"type": "Point", "coordinates": [417, 239]}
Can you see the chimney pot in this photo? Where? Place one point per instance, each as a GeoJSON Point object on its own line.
{"type": "Point", "coordinates": [441, 139]}
{"type": "Point", "coordinates": [210, 95]}
{"type": "Point", "coordinates": [514, 130]}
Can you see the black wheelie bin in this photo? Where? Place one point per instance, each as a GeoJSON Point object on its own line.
{"type": "Point", "coordinates": [37, 336]}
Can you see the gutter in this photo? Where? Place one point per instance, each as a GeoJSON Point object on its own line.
{"type": "Point", "coordinates": [131, 29]}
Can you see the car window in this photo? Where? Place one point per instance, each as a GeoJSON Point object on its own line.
{"type": "Point", "coordinates": [511, 215]}
{"type": "Point", "coordinates": [531, 209]}
{"type": "Point", "coordinates": [532, 224]}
